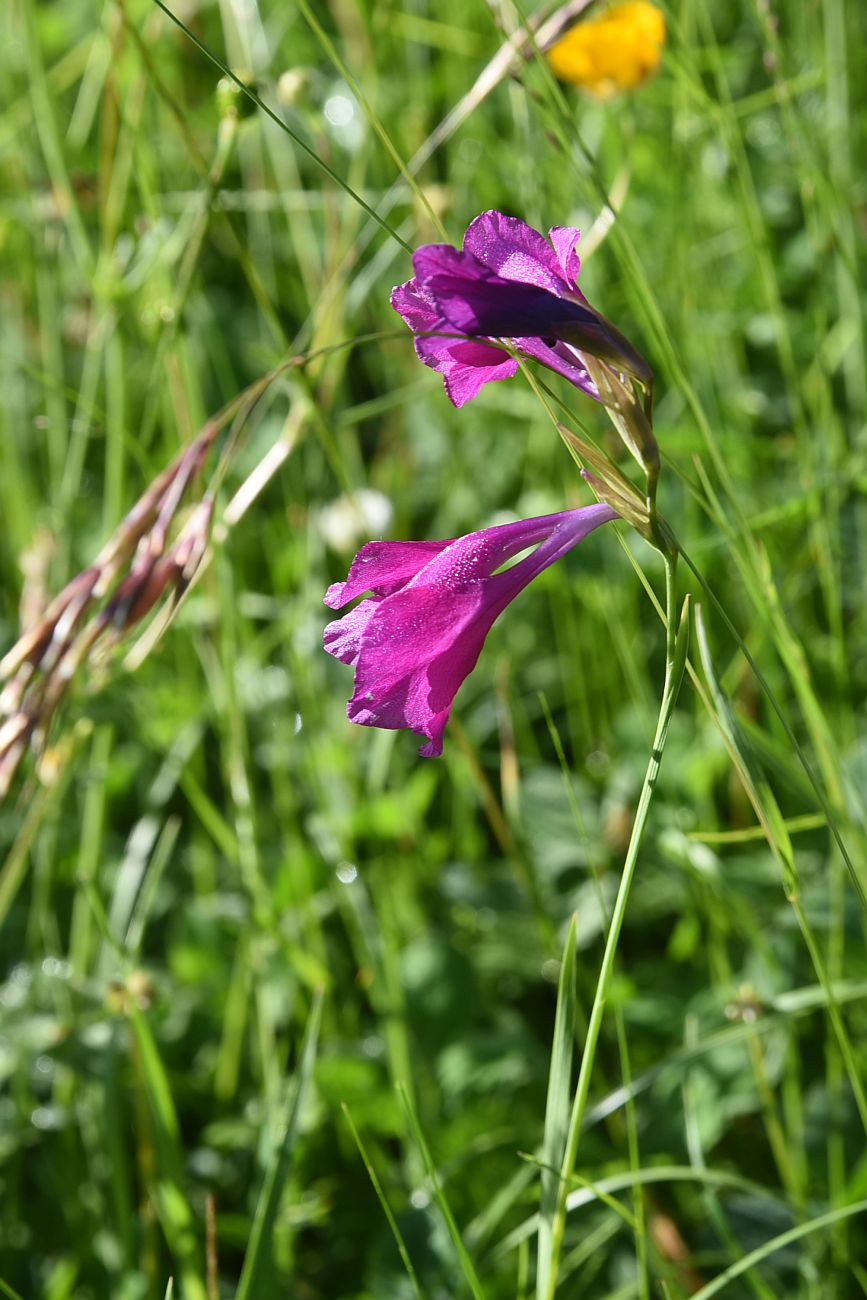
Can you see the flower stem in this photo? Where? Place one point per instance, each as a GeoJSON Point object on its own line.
{"type": "Point", "coordinates": [675, 659]}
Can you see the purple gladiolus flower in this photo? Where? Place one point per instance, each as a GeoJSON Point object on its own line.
{"type": "Point", "coordinates": [415, 639]}
{"type": "Point", "coordinates": [508, 282]}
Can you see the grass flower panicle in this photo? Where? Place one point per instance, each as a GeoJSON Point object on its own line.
{"type": "Point", "coordinates": [418, 636]}
{"type": "Point", "coordinates": [139, 564]}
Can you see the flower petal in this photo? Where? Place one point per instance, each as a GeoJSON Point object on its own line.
{"type": "Point", "coordinates": [499, 308]}
{"type": "Point", "coordinates": [565, 240]}
{"type": "Point", "coordinates": [383, 567]}
{"type": "Point", "coordinates": [509, 283]}
{"type": "Point", "coordinates": [616, 51]}
{"type": "Point", "coordinates": [466, 364]}
{"type": "Point", "coordinates": [512, 249]}
{"type": "Point", "coordinates": [417, 650]}
{"type": "Point", "coordinates": [413, 648]}
{"type": "Point", "coordinates": [562, 359]}
{"type": "Point", "coordinates": [443, 259]}
{"type": "Point", "coordinates": [466, 382]}
{"type": "Point", "coordinates": [342, 637]}
{"type": "Point", "coordinates": [416, 307]}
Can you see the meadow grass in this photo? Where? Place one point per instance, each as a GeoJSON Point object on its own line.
{"type": "Point", "coordinates": [287, 1010]}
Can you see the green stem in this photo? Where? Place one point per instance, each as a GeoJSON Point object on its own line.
{"type": "Point", "coordinates": [670, 558]}
{"type": "Point", "coordinates": [674, 664]}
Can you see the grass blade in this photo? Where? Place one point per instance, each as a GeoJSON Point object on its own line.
{"type": "Point", "coordinates": [777, 1243]}
{"type": "Point", "coordinates": [275, 117]}
{"type": "Point", "coordinates": [557, 1107]}
{"type": "Point", "coordinates": [768, 812]}
{"type": "Point", "coordinates": [383, 1200]}
{"type": "Point", "coordinates": [467, 1267]}
{"type": "Point", "coordinates": [257, 1258]}
{"type": "Point", "coordinates": [172, 1205]}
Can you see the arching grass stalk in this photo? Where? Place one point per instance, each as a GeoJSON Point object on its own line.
{"type": "Point", "coordinates": [677, 641]}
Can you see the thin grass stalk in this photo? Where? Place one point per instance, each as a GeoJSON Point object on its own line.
{"type": "Point", "coordinates": [399, 1239]}
{"type": "Point", "coordinates": [557, 1106]}
{"type": "Point", "coordinates": [470, 1276]}
{"type": "Point", "coordinates": [768, 812]}
{"type": "Point", "coordinates": [567, 135]}
{"type": "Point", "coordinates": [778, 1243]}
{"type": "Point", "coordinates": [676, 647]}
{"type": "Point", "coordinates": [259, 1247]}
{"type": "Point", "coordinates": [823, 799]}
{"type": "Point", "coordinates": [284, 126]}
{"type": "Point", "coordinates": [712, 1203]}
{"type": "Point", "coordinates": [135, 568]}
{"type": "Point", "coordinates": [639, 1212]}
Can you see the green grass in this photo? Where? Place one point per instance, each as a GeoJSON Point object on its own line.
{"type": "Point", "coordinates": [286, 1010]}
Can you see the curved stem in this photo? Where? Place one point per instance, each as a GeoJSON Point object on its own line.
{"type": "Point", "coordinates": [674, 664]}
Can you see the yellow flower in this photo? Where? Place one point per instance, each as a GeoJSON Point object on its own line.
{"type": "Point", "coordinates": [617, 51]}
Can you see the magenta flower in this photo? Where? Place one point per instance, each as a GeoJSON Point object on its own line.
{"type": "Point", "coordinates": [418, 636]}
{"type": "Point", "coordinates": [508, 282]}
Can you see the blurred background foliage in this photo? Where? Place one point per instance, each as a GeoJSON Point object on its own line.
{"type": "Point", "coordinates": [208, 842]}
